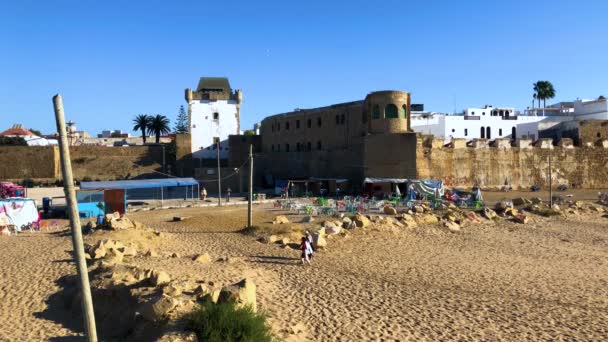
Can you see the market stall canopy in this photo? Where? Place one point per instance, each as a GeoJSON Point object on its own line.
{"type": "Point", "coordinates": [338, 180]}
{"type": "Point", "coordinates": [138, 183]}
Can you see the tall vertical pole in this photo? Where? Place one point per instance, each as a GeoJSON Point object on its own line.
{"type": "Point", "coordinates": [219, 176]}
{"type": "Point", "coordinates": [550, 181]}
{"type": "Point", "coordinates": [249, 204]}
{"type": "Point", "coordinates": [70, 196]}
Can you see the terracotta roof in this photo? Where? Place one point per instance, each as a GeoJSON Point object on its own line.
{"type": "Point", "coordinates": [16, 130]}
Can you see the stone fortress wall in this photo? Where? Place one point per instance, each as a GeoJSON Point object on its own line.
{"type": "Point", "coordinates": [520, 164]}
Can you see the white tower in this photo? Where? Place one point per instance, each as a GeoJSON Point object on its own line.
{"type": "Point", "coordinates": [213, 113]}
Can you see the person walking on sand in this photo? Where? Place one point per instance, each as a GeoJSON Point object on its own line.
{"type": "Point", "coordinates": [306, 249]}
{"type": "Point", "coordinates": [309, 239]}
{"type": "Point", "coordinates": [204, 194]}
{"type": "Point", "coordinates": [228, 192]}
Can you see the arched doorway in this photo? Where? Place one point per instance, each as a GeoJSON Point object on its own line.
{"type": "Point", "coordinates": [488, 133]}
{"type": "Point", "coordinates": [513, 133]}
{"type": "Point", "coordinates": [483, 132]}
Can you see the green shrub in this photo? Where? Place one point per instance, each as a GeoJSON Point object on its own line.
{"type": "Point", "coordinates": [226, 322]}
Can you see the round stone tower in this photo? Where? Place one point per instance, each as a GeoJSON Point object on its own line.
{"type": "Point", "coordinates": [388, 111]}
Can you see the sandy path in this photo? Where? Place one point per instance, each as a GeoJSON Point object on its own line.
{"type": "Point", "coordinates": [543, 281]}
{"type": "Point", "coordinates": [30, 265]}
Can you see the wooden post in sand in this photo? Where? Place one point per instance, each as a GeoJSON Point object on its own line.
{"type": "Point", "coordinates": [249, 203]}
{"type": "Point", "coordinates": [219, 176]}
{"type": "Point", "coordinates": [72, 208]}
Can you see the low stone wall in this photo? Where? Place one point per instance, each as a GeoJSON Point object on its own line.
{"type": "Point", "coordinates": [95, 162]}
{"type": "Point", "coordinates": [519, 167]}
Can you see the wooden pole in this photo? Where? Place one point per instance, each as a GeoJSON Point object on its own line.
{"type": "Point", "coordinates": [219, 176]}
{"type": "Point", "coordinates": [249, 204]}
{"type": "Point", "coordinates": [72, 208]}
{"type": "Point", "coordinates": [550, 181]}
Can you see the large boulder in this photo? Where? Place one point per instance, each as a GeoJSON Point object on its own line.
{"type": "Point", "coordinates": [98, 251]}
{"type": "Point", "coordinates": [308, 219]}
{"type": "Point", "coordinates": [333, 230]}
{"type": "Point", "coordinates": [158, 278]}
{"type": "Point", "coordinates": [122, 223]}
{"type": "Point", "coordinates": [521, 201]}
{"type": "Point", "coordinates": [361, 221]}
{"type": "Point", "coordinates": [268, 239]}
{"type": "Point", "coordinates": [113, 256]}
{"type": "Point", "coordinates": [521, 218]}
{"type": "Point", "coordinates": [202, 258]}
{"type": "Point", "coordinates": [452, 226]}
{"type": "Point", "coordinates": [242, 293]}
{"type": "Point", "coordinates": [156, 309]}
{"type": "Point", "coordinates": [281, 219]}
{"type": "Point", "coordinates": [129, 251]}
{"type": "Point", "coordinates": [318, 241]}
{"type": "Point", "coordinates": [427, 219]}
{"type": "Point", "coordinates": [389, 210]}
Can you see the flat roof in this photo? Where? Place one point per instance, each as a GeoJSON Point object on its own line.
{"type": "Point", "coordinates": [138, 183]}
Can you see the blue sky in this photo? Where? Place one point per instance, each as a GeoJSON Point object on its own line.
{"type": "Point", "coordinates": [112, 60]}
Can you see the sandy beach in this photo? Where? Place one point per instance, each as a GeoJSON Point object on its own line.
{"type": "Point", "coordinates": [544, 280]}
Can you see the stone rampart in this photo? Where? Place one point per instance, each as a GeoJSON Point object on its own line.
{"type": "Point", "coordinates": [520, 166]}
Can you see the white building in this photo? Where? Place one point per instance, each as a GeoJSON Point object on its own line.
{"type": "Point", "coordinates": [213, 114]}
{"type": "Point", "coordinates": [485, 123]}
{"type": "Point", "coordinates": [591, 109]}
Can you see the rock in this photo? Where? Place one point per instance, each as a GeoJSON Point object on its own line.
{"type": "Point", "coordinates": [361, 221]}
{"type": "Point", "coordinates": [318, 241]}
{"type": "Point", "coordinates": [388, 210]}
{"type": "Point", "coordinates": [113, 256]}
{"type": "Point", "coordinates": [129, 251]}
{"type": "Point", "coordinates": [175, 255]}
{"type": "Point", "coordinates": [243, 293]}
{"type": "Point", "coordinates": [556, 207]}
{"type": "Point", "coordinates": [201, 290]}
{"type": "Point", "coordinates": [427, 219]}
{"type": "Point", "coordinates": [398, 224]}
{"type": "Point", "coordinates": [521, 201]}
{"type": "Point", "coordinates": [308, 219]}
{"type": "Point", "coordinates": [536, 200]}
{"type": "Point", "coordinates": [151, 253]}
{"type": "Point", "coordinates": [452, 226]}
{"type": "Point", "coordinates": [502, 205]}
{"type": "Point", "coordinates": [122, 223]}
{"type": "Point", "coordinates": [328, 224]}
{"type": "Point", "coordinates": [284, 241]}
{"type": "Point", "coordinates": [281, 219]}
{"type": "Point", "coordinates": [489, 213]}
{"type": "Point", "coordinates": [159, 278]}
{"type": "Point", "coordinates": [268, 239]}
{"type": "Point", "coordinates": [98, 251]}
{"type": "Point", "coordinates": [596, 209]}
{"type": "Point", "coordinates": [521, 218]}
{"type": "Point", "coordinates": [297, 328]}
{"type": "Point", "coordinates": [333, 230]}
{"type": "Point", "coordinates": [159, 234]}
{"type": "Point", "coordinates": [180, 218]}
{"type": "Point", "coordinates": [113, 216]}
{"type": "Point", "coordinates": [473, 217]}
{"type": "Point", "coordinates": [418, 209]}
{"type": "Point", "coordinates": [173, 290]}
{"type": "Point", "coordinates": [202, 258]}
{"type": "Point", "coordinates": [156, 309]}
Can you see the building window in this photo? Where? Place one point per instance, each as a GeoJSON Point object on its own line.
{"type": "Point", "coordinates": [298, 147]}
{"type": "Point", "coordinates": [599, 135]}
{"type": "Point", "coordinates": [501, 113]}
{"type": "Point", "coordinates": [319, 145]}
{"type": "Point", "coordinates": [297, 124]}
{"type": "Point", "coordinates": [272, 147]}
{"type": "Point", "coordinates": [216, 116]}
{"type": "Point", "coordinates": [403, 112]}
{"type": "Point", "coordinates": [483, 113]}
{"type": "Point", "coordinates": [466, 132]}
{"type": "Point", "coordinates": [286, 147]}
{"type": "Point", "coordinates": [309, 123]}
{"type": "Point", "coordinates": [278, 126]}
{"type": "Point", "coordinates": [390, 111]}
{"type": "Point", "coordinates": [272, 127]}
{"type": "Point", "coordinates": [337, 119]}
{"type": "Point", "coordinates": [472, 113]}
{"type": "Point", "coordinates": [500, 132]}
{"type": "Point", "coordinates": [513, 133]}
{"type": "Point", "coordinates": [453, 130]}
{"type": "Point", "coordinates": [319, 121]}
{"type": "Point", "coordinates": [488, 133]}
{"type": "Point", "coordinates": [364, 117]}
{"type": "Point", "coordinates": [483, 132]}
{"type": "Point", "coordinates": [287, 126]}
{"type": "Point", "coordinates": [278, 147]}
{"type": "Point", "coordinates": [309, 146]}
{"type": "Point", "coordinates": [342, 119]}
{"type": "Point", "coordinates": [376, 112]}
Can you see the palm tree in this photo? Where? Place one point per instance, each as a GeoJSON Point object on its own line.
{"type": "Point", "coordinates": [159, 125]}
{"type": "Point", "coordinates": [142, 123]}
{"type": "Point", "coordinates": [543, 90]}
{"type": "Point", "coordinates": [548, 93]}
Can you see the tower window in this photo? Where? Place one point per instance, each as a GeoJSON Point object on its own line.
{"type": "Point", "coordinates": [272, 147]}
{"type": "Point", "coordinates": [287, 126]}
{"type": "Point", "coordinates": [376, 112]}
{"type": "Point", "coordinates": [319, 121]}
{"type": "Point", "coordinates": [342, 119]}
{"type": "Point", "coordinates": [337, 119]}
{"type": "Point", "coordinates": [297, 124]}
{"type": "Point", "coordinates": [319, 145]}
{"type": "Point", "coordinates": [309, 123]}
{"type": "Point", "coordinates": [309, 146]}
{"type": "Point", "coordinates": [298, 147]}
{"type": "Point", "coordinates": [216, 116]}
{"type": "Point", "coordinates": [286, 147]}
